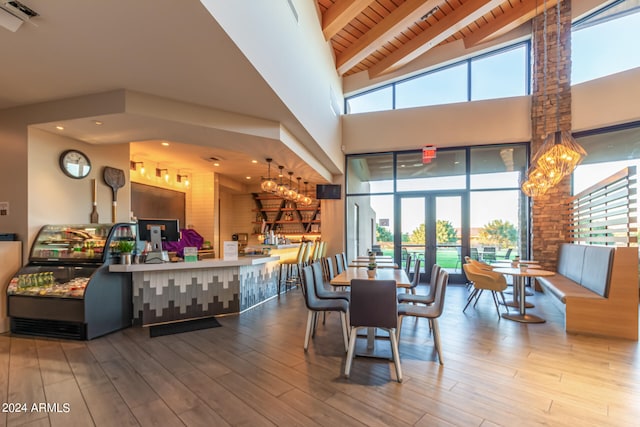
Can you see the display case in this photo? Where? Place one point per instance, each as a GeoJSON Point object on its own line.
{"type": "Point", "coordinates": [66, 290]}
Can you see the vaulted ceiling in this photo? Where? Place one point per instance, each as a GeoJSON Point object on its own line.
{"type": "Point", "coordinates": [380, 36]}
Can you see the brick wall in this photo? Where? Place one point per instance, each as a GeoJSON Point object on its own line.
{"type": "Point", "coordinates": [550, 111]}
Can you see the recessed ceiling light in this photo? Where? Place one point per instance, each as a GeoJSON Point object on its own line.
{"type": "Point", "coordinates": [216, 164]}
{"type": "Point", "coordinates": [98, 123]}
{"type": "Point", "coordinates": [165, 143]}
{"type": "Point", "coordinates": [247, 177]}
{"type": "Point", "coordinates": [59, 127]}
{"type": "Point", "coordinates": [254, 161]}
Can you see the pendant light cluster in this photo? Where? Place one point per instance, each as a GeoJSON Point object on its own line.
{"type": "Point", "coordinates": [560, 153]}
{"type": "Point", "coordinates": [286, 191]}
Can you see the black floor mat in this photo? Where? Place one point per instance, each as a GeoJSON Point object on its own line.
{"type": "Point", "coordinates": [184, 326]}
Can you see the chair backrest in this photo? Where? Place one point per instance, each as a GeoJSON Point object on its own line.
{"type": "Point", "coordinates": [416, 273]}
{"type": "Point", "coordinates": [329, 268]}
{"type": "Point", "coordinates": [373, 303]}
{"type": "Point", "coordinates": [300, 252]}
{"type": "Point", "coordinates": [489, 253]}
{"type": "Point", "coordinates": [474, 253]}
{"type": "Point", "coordinates": [440, 288]}
{"type": "Point", "coordinates": [306, 252]}
{"type": "Point", "coordinates": [339, 265]}
{"type": "Point", "coordinates": [307, 288]}
{"type": "Point", "coordinates": [318, 280]}
{"type": "Point", "coordinates": [324, 249]}
{"type": "Point", "coordinates": [344, 259]}
{"type": "Point", "coordinates": [508, 254]}
{"type": "Point", "coordinates": [435, 272]}
{"type": "Point", "coordinates": [407, 267]}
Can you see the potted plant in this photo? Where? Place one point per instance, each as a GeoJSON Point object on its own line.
{"type": "Point", "coordinates": [371, 270]}
{"type": "Point", "coordinates": [125, 247]}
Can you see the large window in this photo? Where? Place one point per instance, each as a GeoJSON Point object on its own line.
{"type": "Point", "coordinates": [498, 74]}
{"type": "Point", "coordinates": [466, 201]}
{"type": "Point", "coordinates": [606, 42]}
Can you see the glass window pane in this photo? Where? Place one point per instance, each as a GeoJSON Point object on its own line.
{"type": "Point", "coordinates": [369, 222]}
{"type": "Point", "coordinates": [370, 174]}
{"type": "Point", "coordinates": [498, 223]}
{"type": "Point", "coordinates": [497, 167]}
{"type": "Point", "coordinates": [440, 87]}
{"type": "Point", "coordinates": [446, 172]}
{"type": "Point", "coordinates": [500, 75]}
{"type": "Point", "coordinates": [376, 100]}
{"type": "Point", "coordinates": [606, 44]}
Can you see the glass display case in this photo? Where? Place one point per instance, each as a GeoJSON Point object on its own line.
{"type": "Point", "coordinates": [66, 290]}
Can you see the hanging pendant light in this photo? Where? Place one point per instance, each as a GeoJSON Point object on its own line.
{"type": "Point", "coordinates": [269, 185]}
{"type": "Point", "coordinates": [282, 189]}
{"type": "Point", "coordinates": [300, 196]}
{"type": "Point", "coordinates": [306, 200]}
{"type": "Point", "coordinates": [291, 194]}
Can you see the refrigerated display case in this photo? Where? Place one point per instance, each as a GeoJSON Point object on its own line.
{"type": "Point", "coordinates": [66, 290]}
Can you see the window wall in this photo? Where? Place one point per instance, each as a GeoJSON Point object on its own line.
{"type": "Point", "coordinates": [466, 201]}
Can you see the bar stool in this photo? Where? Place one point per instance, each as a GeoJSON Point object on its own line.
{"type": "Point", "coordinates": [287, 265]}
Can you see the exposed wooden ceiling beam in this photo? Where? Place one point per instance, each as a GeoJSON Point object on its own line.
{"type": "Point", "coordinates": [340, 14]}
{"type": "Point", "coordinates": [397, 21]}
{"type": "Point", "coordinates": [512, 18]}
{"type": "Point", "coordinates": [464, 15]}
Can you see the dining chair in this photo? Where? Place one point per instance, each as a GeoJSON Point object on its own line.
{"type": "Point", "coordinates": [373, 305]}
{"type": "Point", "coordinates": [407, 266]}
{"type": "Point", "coordinates": [485, 280]}
{"type": "Point", "coordinates": [340, 266]}
{"type": "Point", "coordinates": [431, 312]}
{"type": "Point", "coordinates": [316, 305]}
{"type": "Point", "coordinates": [474, 254]}
{"type": "Point", "coordinates": [508, 254]}
{"type": "Point", "coordinates": [415, 279]}
{"type": "Point", "coordinates": [489, 253]}
{"type": "Point", "coordinates": [322, 288]}
{"type": "Point", "coordinates": [427, 299]}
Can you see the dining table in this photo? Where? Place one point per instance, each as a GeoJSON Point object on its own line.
{"type": "Point", "coordinates": [344, 279]}
{"type": "Point", "coordinates": [379, 263]}
{"type": "Point", "coordinates": [519, 294]}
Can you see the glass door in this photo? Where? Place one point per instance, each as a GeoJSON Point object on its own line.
{"type": "Point", "coordinates": [431, 230]}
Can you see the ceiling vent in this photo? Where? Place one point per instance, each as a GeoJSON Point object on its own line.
{"type": "Point", "coordinates": [13, 14]}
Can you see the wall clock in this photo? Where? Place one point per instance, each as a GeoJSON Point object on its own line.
{"type": "Point", "coordinates": [75, 164]}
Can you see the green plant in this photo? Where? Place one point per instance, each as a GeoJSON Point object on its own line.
{"type": "Point", "coordinates": [372, 266]}
{"type": "Point", "coordinates": [126, 246]}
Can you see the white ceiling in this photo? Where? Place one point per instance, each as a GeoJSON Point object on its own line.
{"type": "Point", "coordinates": [168, 48]}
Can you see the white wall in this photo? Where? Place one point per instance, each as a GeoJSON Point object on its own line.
{"type": "Point", "coordinates": [54, 198]}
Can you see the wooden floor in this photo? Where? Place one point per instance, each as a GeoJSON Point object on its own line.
{"type": "Point", "coordinates": [252, 371]}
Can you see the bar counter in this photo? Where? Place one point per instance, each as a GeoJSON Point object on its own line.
{"type": "Point", "coordinates": [179, 291]}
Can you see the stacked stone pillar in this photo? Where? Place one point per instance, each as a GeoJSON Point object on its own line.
{"type": "Point", "coordinates": [550, 111]}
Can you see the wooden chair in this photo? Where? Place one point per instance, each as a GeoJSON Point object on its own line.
{"type": "Point", "coordinates": [373, 305]}
{"type": "Point", "coordinates": [431, 312]}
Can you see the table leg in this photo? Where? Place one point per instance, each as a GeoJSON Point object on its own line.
{"type": "Point", "coordinates": [515, 302]}
{"type": "Point", "coordinates": [522, 316]}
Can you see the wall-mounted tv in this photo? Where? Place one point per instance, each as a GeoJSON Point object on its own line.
{"type": "Point", "coordinates": [328, 191]}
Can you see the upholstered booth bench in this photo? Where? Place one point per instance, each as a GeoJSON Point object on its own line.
{"type": "Point", "coordinates": [597, 287]}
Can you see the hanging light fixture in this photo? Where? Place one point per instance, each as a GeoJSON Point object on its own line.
{"type": "Point", "coordinates": [291, 194]}
{"type": "Point", "coordinates": [306, 200]}
{"type": "Point", "coordinates": [282, 189]}
{"type": "Point", "coordinates": [300, 196]}
{"type": "Point", "coordinates": [269, 185]}
{"type": "Point", "coordinates": [560, 153]}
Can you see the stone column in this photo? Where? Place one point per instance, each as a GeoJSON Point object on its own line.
{"type": "Point", "coordinates": [550, 111]}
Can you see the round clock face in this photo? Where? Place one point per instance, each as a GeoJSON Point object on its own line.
{"type": "Point", "coordinates": [75, 164]}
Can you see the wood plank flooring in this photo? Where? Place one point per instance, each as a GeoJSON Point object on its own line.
{"type": "Point", "coordinates": [252, 371]}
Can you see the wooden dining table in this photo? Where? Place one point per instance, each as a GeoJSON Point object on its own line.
{"type": "Point", "coordinates": [397, 274]}
{"type": "Point", "coordinates": [379, 263]}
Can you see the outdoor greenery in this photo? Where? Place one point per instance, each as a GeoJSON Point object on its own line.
{"type": "Point", "coordinates": [499, 233]}
{"type": "Point", "coordinates": [445, 233]}
{"type": "Point", "coordinates": [383, 234]}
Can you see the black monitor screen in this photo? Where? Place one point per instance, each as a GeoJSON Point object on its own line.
{"type": "Point", "coordinates": [328, 191]}
{"type": "Point", "coordinates": [169, 229]}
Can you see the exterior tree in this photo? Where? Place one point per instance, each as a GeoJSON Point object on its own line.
{"type": "Point", "coordinates": [445, 233]}
{"type": "Point", "coordinates": [498, 232]}
{"type": "Point", "coordinates": [383, 234]}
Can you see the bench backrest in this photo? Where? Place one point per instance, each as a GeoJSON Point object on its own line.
{"type": "Point", "coordinates": [589, 266]}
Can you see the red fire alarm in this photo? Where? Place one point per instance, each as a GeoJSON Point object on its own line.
{"type": "Point", "coordinates": [428, 153]}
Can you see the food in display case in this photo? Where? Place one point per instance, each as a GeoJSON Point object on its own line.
{"type": "Point", "coordinates": [66, 289]}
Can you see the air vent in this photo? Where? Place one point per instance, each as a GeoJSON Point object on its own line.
{"type": "Point", "coordinates": [13, 14]}
{"type": "Point", "coordinates": [48, 328]}
{"type": "Point", "coordinates": [214, 159]}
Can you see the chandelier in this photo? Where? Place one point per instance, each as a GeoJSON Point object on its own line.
{"type": "Point", "coordinates": [560, 153]}
{"type": "Point", "coordinates": [281, 189]}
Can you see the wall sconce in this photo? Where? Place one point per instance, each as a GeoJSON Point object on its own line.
{"type": "Point", "coordinates": [183, 178]}
{"type": "Point", "coordinates": [134, 165]}
{"type": "Point", "coordinates": [159, 173]}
